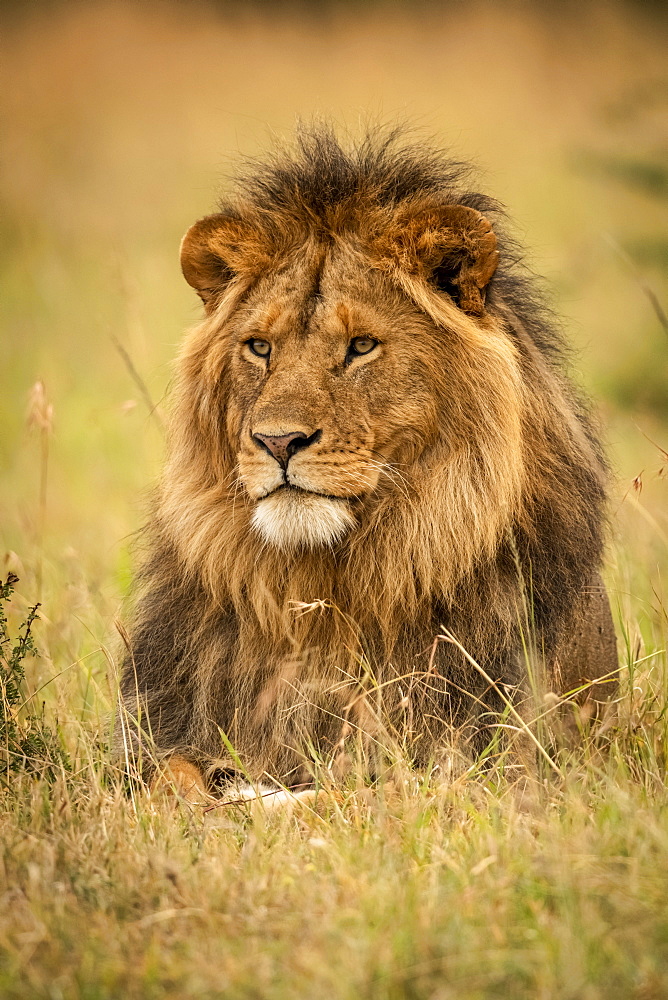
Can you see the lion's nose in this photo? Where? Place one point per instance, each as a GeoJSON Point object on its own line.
{"type": "Point", "coordinates": [283, 446]}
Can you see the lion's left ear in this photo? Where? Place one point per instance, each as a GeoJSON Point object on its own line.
{"type": "Point", "coordinates": [452, 246]}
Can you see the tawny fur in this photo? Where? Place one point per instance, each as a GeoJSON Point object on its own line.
{"type": "Point", "coordinates": [469, 480]}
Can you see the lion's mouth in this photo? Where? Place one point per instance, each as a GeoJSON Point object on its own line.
{"type": "Point", "coordinates": [299, 490]}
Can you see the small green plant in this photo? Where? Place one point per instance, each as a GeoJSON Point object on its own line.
{"type": "Point", "coordinates": [26, 744]}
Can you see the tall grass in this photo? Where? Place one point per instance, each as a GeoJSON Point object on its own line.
{"type": "Point", "coordinates": [118, 120]}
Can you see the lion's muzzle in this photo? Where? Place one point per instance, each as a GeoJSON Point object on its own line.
{"type": "Point", "coordinates": [302, 496]}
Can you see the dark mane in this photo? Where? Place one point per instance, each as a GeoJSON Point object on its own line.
{"type": "Point", "coordinates": [321, 171]}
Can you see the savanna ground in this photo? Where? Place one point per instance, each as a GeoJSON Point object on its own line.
{"type": "Point", "coordinates": [120, 123]}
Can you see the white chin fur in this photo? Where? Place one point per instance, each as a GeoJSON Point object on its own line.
{"type": "Point", "coordinates": [292, 520]}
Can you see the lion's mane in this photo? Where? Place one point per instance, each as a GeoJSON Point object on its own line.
{"type": "Point", "coordinates": [286, 653]}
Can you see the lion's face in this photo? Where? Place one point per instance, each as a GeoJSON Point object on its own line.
{"type": "Point", "coordinates": [331, 391]}
{"type": "Point", "coordinates": [334, 388]}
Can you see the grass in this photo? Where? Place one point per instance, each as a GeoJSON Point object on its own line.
{"type": "Point", "coordinates": [118, 120]}
{"type": "Point", "coordinates": [420, 890]}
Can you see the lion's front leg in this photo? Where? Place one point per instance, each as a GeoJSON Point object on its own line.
{"type": "Point", "coordinates": [177, 776]}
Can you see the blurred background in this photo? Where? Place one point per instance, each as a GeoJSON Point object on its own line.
{"type": "Point", "coordinates": [121, 124]}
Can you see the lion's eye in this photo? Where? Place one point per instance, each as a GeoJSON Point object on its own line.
{"type": "Point", "coordinates": [260, 347]}
{"type": "Point", "coordinates": [361, 345]}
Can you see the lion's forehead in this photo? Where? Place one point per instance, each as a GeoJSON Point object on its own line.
{"type": "Point", "coordinates": [337, 298]}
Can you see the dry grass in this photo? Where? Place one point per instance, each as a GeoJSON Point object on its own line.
{"type": "Point", "coordinates": [118, 121]}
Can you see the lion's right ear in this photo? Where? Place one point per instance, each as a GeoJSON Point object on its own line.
{"type": "Point", "coordinates": [217, 248]}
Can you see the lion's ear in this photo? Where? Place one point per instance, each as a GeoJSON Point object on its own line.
{"type": "Point", "coordinates": [454, 247]}
{"type": "Point", "coordinates": [214, 250]}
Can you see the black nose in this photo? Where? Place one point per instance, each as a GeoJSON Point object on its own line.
{"type": "Point", "coordinates": [283, 446]}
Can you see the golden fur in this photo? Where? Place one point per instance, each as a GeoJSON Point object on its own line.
{"type": "Point", "coordinates": [449, 480]}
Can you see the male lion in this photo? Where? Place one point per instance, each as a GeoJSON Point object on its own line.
{"type": "Point", "coordinates": [373, 443]}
